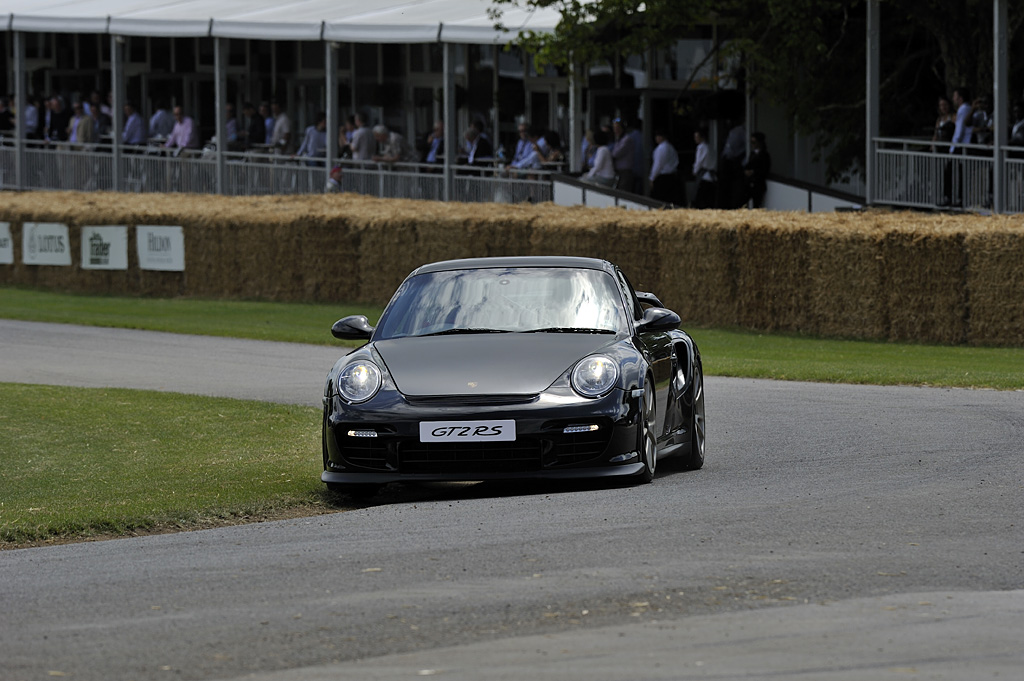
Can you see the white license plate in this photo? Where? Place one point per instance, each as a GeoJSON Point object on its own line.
{"type": "Point", "coordinates": [468, 431]}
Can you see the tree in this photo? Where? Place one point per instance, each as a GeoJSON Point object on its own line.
{"type": "Point", "coordinates": [807, 56]}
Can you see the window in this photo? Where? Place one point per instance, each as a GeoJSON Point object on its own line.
{"type": "Point", "coordinates": [632, 304]}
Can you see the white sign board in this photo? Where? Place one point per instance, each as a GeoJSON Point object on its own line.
{"type": "Point", "coordinates": [45, 243]}
{"type": "Point", "coordinates": [161, 248]}
{"type": "Point", "coordinates": [105, 248]}
{"type": "Point", "coordinates": [6, 245]}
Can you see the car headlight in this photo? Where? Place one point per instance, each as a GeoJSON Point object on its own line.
{"type": "Point", "coordinates": [595, 375]}
{"type": "Point", "coordinates": [359, 381]}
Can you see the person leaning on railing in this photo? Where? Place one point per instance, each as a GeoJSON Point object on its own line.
{"type": "Point", "coordinates": [1017, 129]}
{"type": "Point", "coordinates": [57, 117]}
{"type": "Point", "coordinates": [254, 133]}
{"type": "Point", "coordinates": [80, 128]}
{"type": "Point", "coordinates": [314, 144]}
{"type": "Point", "coordinates": [394, 148]}
{"type": "Point", "coordinates": [184, 134]}
{"type": "Point", "coordinates": [135, 130]}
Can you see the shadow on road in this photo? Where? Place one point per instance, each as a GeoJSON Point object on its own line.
{"type": "Point", "coordinates": [415, 492]}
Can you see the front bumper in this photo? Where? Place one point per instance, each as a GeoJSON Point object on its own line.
{"type": "Point", "coordinates": [542, 449]}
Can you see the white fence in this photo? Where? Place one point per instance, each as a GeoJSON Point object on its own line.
{"type": "Point", "coordinates": [919, 174]}
{"type": "Point", "coordinates": [908, 172]}
{"type": "Point", "coordinates": [247, 174]}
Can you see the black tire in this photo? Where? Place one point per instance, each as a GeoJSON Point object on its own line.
{"type": "Point", "coordinates": [646, 438]}
{"type": "Point", "coordinates": [695, 459]}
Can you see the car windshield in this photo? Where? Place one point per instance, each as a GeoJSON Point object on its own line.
{"type": "Point", "coordinates": [504, 300]}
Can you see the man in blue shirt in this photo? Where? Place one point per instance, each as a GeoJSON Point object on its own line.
{"type": "Point", "coordinates": [135, 132]}
{"type": "Point", "coordinates": [435, 144]}
{"type": "Point", "coordinates": [314, 144]}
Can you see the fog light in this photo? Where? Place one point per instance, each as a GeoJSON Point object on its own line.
{"type": "Point", "coordinates": [623, 458]}
{"type": "Point", "coordinates": [362, 433]}
{"type": "Point", "coordinates": [580, 429]}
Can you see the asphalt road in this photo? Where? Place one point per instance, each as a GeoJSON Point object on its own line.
{"type": "Point", "coordinates": [836, 532]}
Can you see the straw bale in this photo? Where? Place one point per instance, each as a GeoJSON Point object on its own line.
{"type": "Point", "coordinates": [924, 266]}
{"type": "Point", "coordinates": [608, 234]}
{"type": "Point", "coordinates": [698, 274]}
{"type": "Point", "coordinates": [771, 262]}
{"type": "Point", "coordinates": [902, 276]}
{"type": "Point", "coordinates": [995, 280]}
{"type": "Point", "coordinates": [845, 294]}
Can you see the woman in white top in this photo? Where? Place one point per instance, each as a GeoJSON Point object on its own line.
{"type": "Point", "coordinates": [602, 171]}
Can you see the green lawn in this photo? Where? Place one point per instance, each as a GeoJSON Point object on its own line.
{"type": "Point", "coordinates": [78, 462]}
{"type": "Point", "coordinates": [292, 322]}
{"type": "Point", "coordinates": [788, 357]}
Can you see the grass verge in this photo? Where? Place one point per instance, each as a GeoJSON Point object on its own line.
{"type": "Point", "coordinates": [288, 322]}
{"type": "Point", "coordinates": [725, 352]}
{"type": "Point", "coordinates": [76, 463]}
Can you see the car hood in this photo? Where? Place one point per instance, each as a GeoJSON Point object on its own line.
{"type": "Point", "coordinates": [484, 364]}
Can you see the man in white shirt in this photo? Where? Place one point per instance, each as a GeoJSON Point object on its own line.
{"type": "Point", "coordinates": [704, 171]}
{"type": "Point", "coordinates": [393, 147]}
{"type": "Point", "coordinates": [363, 143]}
{"type": "Point", "coordinates": [281, 138]}
{"type": "Point", "coordinates": [31, 120]}
{"type": "Point", "coordinates": [664, 176]}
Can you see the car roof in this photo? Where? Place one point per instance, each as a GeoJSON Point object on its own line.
{"type": "Point", "coordinates": [572, 262]}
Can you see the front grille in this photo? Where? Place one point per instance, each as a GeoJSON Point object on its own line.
{"type": "Point", "coordinates": [573, 448]}
{"type": "Point", "coordinates": [366, 452]}
{"type": "Point", "coordinates": [470, 457]}
{"type": "Point", "coordinates": [552, 448]}
{"type": "Point", "coordinates": [468, 400]}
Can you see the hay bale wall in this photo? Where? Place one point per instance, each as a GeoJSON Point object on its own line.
{"type": "Point", "coordinates": [898, 276]}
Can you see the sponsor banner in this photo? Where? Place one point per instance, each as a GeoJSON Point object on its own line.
{"type": "Point", "coordinates": [105, 247]}
{"type": "Point", "coordinates": [45, 243]}
{"type": "Point", "coordinates": [161, 248]}
{"type": "Point", "coordinates": [6, 245]}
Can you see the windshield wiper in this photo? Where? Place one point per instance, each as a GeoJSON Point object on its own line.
{"type": "Point", "coordinates": [452, 332]}
{"type": "Point", "coordinates": [568, 329]}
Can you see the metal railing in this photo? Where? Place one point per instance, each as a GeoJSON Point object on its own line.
{"type": "Point", "coordinates": [920, 173]}
{"type": "Point", "coordinates": [153, 169]}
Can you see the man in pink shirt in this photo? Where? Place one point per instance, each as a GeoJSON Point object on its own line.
{"type": "Point", "coordinates": [184, 134]}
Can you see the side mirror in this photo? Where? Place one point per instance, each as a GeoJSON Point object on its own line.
{"type": "Point", "coordinates": [356, 327]}
{"type": "Point", "coordinates": [658, 319]}
{"type": "Point", "coordinates": [648, 298]}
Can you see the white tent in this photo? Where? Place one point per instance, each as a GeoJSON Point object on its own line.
{"type": "Point", "coordinates": [329, 21]}
{"type": "Point", "coordinates": [382, 21]}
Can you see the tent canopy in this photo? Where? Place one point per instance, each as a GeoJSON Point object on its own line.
{"type": "Point", "coordinates": [382, 21]}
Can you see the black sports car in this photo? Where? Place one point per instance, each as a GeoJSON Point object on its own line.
{"type": "Point", "coordinates": [497, 368]}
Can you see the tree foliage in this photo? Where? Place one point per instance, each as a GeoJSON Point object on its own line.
{"type": "Point", "coordinates": [806, 56]}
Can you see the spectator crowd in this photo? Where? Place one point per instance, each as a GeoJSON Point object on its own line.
{"type": "Point", "coordinates": [612, 155]}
